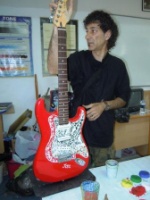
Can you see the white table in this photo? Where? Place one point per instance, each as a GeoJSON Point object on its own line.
{"type": "Point", "coordinates": [112, 187]}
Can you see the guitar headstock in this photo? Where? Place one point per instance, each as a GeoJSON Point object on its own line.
{"type": "Point", "coordinates": [61, 18]}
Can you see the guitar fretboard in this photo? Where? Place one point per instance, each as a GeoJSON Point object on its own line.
{"type": "Point", "coordinates": [62, 78]}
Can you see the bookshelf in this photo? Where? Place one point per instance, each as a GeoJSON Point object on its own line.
{"type": "Point", "coordinates": [5, 108]}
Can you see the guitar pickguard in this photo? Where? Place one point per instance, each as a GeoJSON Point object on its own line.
{"type": "Point", "coordinates": [65, 141]}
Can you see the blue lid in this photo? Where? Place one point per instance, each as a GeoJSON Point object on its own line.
{"type": "Point", "coordinates": [144, 174]}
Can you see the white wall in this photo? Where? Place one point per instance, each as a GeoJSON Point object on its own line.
{"type": "Point", "coordinates": [21, 91]}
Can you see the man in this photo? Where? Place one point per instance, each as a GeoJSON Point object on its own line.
{"type": "Point", "coordinates": [110, 90]}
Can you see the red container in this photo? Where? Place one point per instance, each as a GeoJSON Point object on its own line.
{"type": "Point", "coordinates": [12, 167]}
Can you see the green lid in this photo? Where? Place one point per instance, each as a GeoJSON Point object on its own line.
{"type": "Point", "coordinates": [135, 179]}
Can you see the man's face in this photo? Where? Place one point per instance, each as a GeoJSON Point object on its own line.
{"type": "Point", "coordinates": [96, 38]}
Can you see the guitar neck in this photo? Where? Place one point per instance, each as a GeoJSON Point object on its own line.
{"type": "Point", "coordinates": [63, 107]}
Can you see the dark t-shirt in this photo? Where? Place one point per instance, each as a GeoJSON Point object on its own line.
{"type": "Point", "coordinates": [113, 82]}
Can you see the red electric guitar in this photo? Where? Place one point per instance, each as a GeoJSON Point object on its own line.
{"type": "Point", "coordinates": [62, 152]}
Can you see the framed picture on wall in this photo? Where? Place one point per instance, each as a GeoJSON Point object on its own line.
{"type": "Point", "coordinates": [46, 33]}
{"type": "Point", "coordinates": [16, 46]}
{"type": "Point", "coordinates": [146, 5]}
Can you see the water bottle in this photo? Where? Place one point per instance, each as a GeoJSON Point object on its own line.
{"type": "Point", "coordinates": [142, 107]}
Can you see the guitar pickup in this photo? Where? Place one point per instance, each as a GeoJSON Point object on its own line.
{"type": "Point", "coordinates": [63, 138]}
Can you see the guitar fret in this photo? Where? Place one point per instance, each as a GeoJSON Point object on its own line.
{"type": "Point", "coordinates": [63, 109]}
{"type": "Point", "coordinates": [62, 64]}
{"type": "Point", "coordinates": [63, 112]}
{"type": "Point", "coordinates": [63, 88]}
{"type": "Point", "coordinates": [62, 54]}
{"type": "Point", "coordinates": [62, 47]}
{"type": "Point", "coordinates": [64, 104]}
{"type": "Point", "coordinates": [63, 76]}
{"type": "Point", "coordinates": [64, 100]}
{"type": "Point", "coordinates": [63, 96]}
{"type": "Point", "coordinates": [63, 83]}
{"type": "Point", "coordinates": [63, 93]}
{"type": "Point", "coordinates": [62, 72]}
{"type": "Point", "coordinates": [62, 120]}
{"type": "Point", "coordinates": [62, 57]}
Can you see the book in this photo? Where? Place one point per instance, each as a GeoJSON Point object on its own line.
{"type": "Point", "coordinates": [4, 106]}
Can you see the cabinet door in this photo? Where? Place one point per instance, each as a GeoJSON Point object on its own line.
{"type": "Point", "coordinates": [132, 134]}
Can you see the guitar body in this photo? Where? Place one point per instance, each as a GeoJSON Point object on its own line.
{"type": "Point", "coordinates": [62, 152]}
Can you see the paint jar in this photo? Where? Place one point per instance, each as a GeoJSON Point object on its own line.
{"type": "Point", "coordinates": [90, 190]}
{"type": "Point", "coordinates": [112, 168]}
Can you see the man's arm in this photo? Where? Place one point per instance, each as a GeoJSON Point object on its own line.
{"type": "Point", "coordinates": [114, 104]}
{"type": "Point", "coordinates": [52, 58]}
{"type": "Point", "coordinates": [96, 109]}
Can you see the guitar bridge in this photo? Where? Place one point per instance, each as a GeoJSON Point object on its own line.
{"type": "Point", "coordinates": [65, 158]}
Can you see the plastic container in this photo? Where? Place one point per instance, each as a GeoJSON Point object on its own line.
{"type": "Point", "coordinates": [142, 107]}
{"type": "Point", "coordinates": [1, 172]}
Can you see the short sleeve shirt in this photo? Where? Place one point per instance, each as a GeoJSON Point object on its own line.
{"type": "Point", "coordinates": [113, 81]}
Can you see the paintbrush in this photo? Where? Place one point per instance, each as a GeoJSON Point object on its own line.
{"type": "Point", "coordinates": [106, 198]}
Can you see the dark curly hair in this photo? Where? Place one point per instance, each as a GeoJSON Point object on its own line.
{"type": "Point", "coordinates": [106, 23]}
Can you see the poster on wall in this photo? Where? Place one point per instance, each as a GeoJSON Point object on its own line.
{"type": "Point", "coordinates": [15, 46]}
{"type": "Point", "coordinates": [46, 33]}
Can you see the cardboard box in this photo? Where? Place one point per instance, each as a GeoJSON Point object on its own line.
{"type": "Point", "coordinates": [20, 122]}
{"type": "Point", "coordinates": [14, 127]}
{"type": "Point", "coordinates": [8, 111]}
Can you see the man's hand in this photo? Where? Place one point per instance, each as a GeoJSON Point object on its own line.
{"type": "Point", "coordinates": [70, 7]}
{"type": "Point", "coordinates": [94, 110]}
